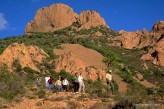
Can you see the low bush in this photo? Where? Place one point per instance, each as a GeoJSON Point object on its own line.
{"type": "Point", "coordinates": [41, 93]}
{"type": "Point", "coordinates": [11, 85]}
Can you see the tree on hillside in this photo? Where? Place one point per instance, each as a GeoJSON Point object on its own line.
{"type": "Point", "coordinates": [109, 58]}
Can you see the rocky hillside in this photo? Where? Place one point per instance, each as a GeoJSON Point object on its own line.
{"type": "Point", "coordinates": [59, 16]}
{"type": "Point", "coordinates": [26, 55]}
{"type": "Point", "coordinates": [152, 40]}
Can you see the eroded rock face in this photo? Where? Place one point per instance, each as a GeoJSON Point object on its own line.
{"type": "Point", "coordinates": [59, 16]}
{"type": "Point", "coordinates": [76, 58]}
{"type": "Point", "coordinates": [89, 19]}
{"type": "Point", "coordinates": [73, 64]}
{"type": "Point", "coordinates": [37, 54]}
{"type": "Point", "coordinates": [156, 54]}
{"type": "Point", "coordinates": [24, 54]}
{"type": "Point", "coordinates": [158, 27]}
{"type": "Point", "coordinates": [52, 18]}
{"type": "Point", "coordinates": [129, 40]}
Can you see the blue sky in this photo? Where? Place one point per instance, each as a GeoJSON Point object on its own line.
{"type": "Point", "coordinates": [128, 15]}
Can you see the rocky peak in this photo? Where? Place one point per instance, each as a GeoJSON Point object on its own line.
{"type": "Point", "coordinates": [54, 17]}
{"type": "Point", "coordinates": [144, 31]}
{"type": "Point", "coordinates": [59, 16]}
{"type": "Point", "coordinates": [158, 27]}
{"type": "Point", "coordinates": [90, 19]}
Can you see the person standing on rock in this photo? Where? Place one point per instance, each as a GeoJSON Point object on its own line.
{"type": "Point", "coordinates": [109, 81]}
{"type": "Point", "coordinates": [76, 83]}
{"type": "Point", "coordinates": [81, 83]}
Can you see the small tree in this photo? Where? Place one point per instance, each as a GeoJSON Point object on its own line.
{"type": "Point", "coordinates": [110, 57]}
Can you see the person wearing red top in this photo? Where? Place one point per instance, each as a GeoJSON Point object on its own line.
{"type": "Point", "coordinates": [50, 81]}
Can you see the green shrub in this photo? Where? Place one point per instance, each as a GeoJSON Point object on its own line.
{"type": "Point", "coordinates": [41, 93]}
{"type": "Point", "coordinates": [65, 74]}
{"type": "Point", "coordinates": [149, 91]}
{"type": "Point", "coordinates": [17, 66]}
{"type": "Point", "coordinates": [127, 77]}
{"type": "Point", "coordinates": [30, 76]}
{"type": "Point", "coordinates": [11, 85]}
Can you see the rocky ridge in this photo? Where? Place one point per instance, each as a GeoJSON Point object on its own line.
{"type": "Point", "coordinates": [59, 16]}
{"type": "Point", "coordinates": [142, 39]}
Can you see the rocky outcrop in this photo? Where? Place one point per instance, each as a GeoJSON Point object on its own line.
{"type": "Point", "coordinates": [98, 33]}
{"type": "Point", "coordinates": [52, 18]}
{"type": "Point", "coordinates": [89, 19]}
{"type": "Point", "coordinates": [158, 27]}
{"type": "Point", "coordinates": [129, 40]}
{"type": "Point", "coordinates": [24, 54]}
{"type": "Point", "coordinates": [137, 39]}
{"type": "Point", "coordinates": [59, 16]}
{"type": "Point", "coordinates": [69, 62]}
{"type": "Point", "coordinates": [141, 39]}
{"type": "Point", "coordinates": [156, 53]}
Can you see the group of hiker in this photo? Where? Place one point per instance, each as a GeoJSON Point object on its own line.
{"type": "Point", "coordinates": [62, 84]}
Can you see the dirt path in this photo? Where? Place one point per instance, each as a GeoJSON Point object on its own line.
{"type": "Point", "coordinates": [145, 83]}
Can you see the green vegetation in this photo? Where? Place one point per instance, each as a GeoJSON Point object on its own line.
{"type": "Point", "coordinates": [11, 84]}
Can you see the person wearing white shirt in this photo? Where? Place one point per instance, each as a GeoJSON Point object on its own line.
{"type": "Point", "coordinates": [46, 81]}
{"type": "Point", "coordinates": [109, 81]}
{"type": "Point", "coordinates": [81, 83]}
{"type": "Point", "coordinates": [65, 84]}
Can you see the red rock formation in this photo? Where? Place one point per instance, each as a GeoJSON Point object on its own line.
{"type": "Point", "coordinates": [139, 39]}
{"type": "Point", "coordinates": [156, 54]}
{"type": "Point", "coordinates": [158, 27]}
{"type": "Point", "coordinates": [24, 54]}
{"type": "Point", "coordinates": [129, 40]}
{"type": "Point", "coordinates": [59, 16]}
{"type": "Point", "coordinates": [52, 18]}
{"type": "Point", "coordinates": [89, 19]}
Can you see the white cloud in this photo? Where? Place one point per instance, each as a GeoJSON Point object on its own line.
{"type": "Point", "coordinates": [3, 22]}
